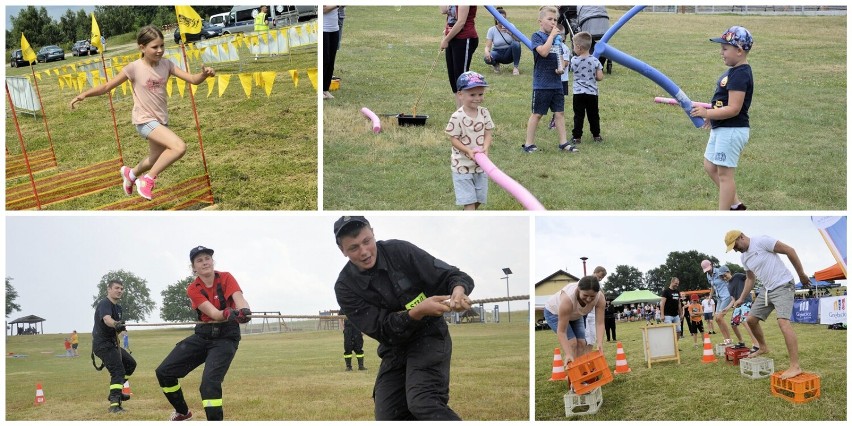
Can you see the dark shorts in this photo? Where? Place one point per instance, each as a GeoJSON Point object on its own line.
{"type": "Point", "coordinates": [547, 99]}
{"type": "Point", "coordinates": [74, 345]}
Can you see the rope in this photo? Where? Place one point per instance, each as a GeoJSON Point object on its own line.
{"type": "Point", "coordinates": [414, 111]}
{"type": "Point", "coordinates": [112, 110]}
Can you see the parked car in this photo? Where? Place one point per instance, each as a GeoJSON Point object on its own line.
{"type": "Point", "coordinates": [82, 48]}
{"type": "Point", "coordinates": [207, 31]}
{"type": "Point", "coordinates": [17, 59]}
{"type": "Point", "coordinates": [50, 53]}
{"type": "Point", "coordinates": [218, 19]}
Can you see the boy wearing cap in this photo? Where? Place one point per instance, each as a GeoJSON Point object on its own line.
{"type": "Point", "coordinates": [547, 83]}
{"type": "Point", "coordinates": [728, 119]}
{"type": "Point", "coordinates": [221, 307]}
{"type": "Point", "coordinates": [761, 261]}
{"type": "Point", "coordinates": [396, 293]}
{"type": "Point", "coordinates": [736, 284]}
{"type": "Point", "coordinates": [696, 315]}
{"type": "Point", "coordinates": [470, 129]}
{"type": "Point", "coordinates": [719, 290]}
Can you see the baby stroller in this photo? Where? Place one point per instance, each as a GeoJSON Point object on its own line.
{"type": "Point", "coordinates": [595, 21]}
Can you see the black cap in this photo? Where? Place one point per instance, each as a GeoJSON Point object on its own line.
{"type": "Point", "coordinates": [346, 220]}
{"type": "Point", "coordinates": [198, 250]}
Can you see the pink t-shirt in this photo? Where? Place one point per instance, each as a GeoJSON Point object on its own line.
{"type": "Point", "coordinates": [149, 90]}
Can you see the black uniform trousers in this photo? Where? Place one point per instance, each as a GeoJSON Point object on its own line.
{"type": "Point", "coordinates": [413, 382]}
{"type": "Point", "coordinates": [609, 324]}
{"type": "Point", "coordinates": [215, 353]}
{"type": "Point", "coordinates": [353, 341]}
{"type": "Point", "coordinates": [120, 365]}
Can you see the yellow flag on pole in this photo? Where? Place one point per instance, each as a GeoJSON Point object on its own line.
{"type": "Point", "coordinates": [95, 40]}
{"type": "Point", "coordinates": [27, 51]}
{"type": "Point", "coordinates": [188, 21]}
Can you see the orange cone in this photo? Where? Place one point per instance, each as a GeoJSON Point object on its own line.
{"type": "Point", "coordinates": [126, 389]}
{"type": "Point", "coordinates": [39, 398]}
{"type": "Point", "coordinates": [708, 350]}
{"type": "Point", "coordinates": [558, 372]}
{"type": "Point", "coordinates": [621, 361]}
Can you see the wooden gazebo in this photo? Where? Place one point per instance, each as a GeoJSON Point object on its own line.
{"type": "Point", "coordinates": [17, 327]}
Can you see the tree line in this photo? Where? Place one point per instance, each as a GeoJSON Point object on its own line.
{"type": "Point", "coordinates": [40, 29]}
{"type": "Point", "coordinates": [681, 264]}
{"type": "Point", "coordinates": [136, 302]}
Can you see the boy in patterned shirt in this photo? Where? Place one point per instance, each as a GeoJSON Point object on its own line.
{"type": "Point", "coordinates": [470, 132]}
{"type": "Point", "coordinates": [587, 71]}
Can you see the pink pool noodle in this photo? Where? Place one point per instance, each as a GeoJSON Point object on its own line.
{"type": "Point", "coordinates": [510, 185]}
{"type": "Point", "coordinates": [672, 101]}
{"type": "Point", "coordinates": [377, 124]}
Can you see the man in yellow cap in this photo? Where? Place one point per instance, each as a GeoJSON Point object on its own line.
{"type": "Point", "coordinates": [761, 260]}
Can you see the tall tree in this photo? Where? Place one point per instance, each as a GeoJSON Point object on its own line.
{"type": "Point", "coordinates": [32, 22]}
{"type": "Point", "coordinates": [656, 280]}
{"type": "Point", "coordinates": [625, 278]}
{"type": "Point", "coordinates": [176, 304]}
{"type": "Point", "coordinates": [11, 295]}
{"type": "Point", "coordinates": [136, 302]}
{"type": "Point", "coordinates": [686, 266]}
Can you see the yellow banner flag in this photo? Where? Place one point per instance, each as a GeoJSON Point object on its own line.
{"type": "Point", "coordinates": [169, 85]}
{"type": "Point", "coordinates": [27, 51]}
{"type": "Point", "coordinates": [95, 40]}
{"type": "Point", "coordinates": [211, 81]}
{"type": "Point", "coordinates": [188, 21]}
{"type": "Point", "coordinates": [181, 85]}
{"type": "Point", "coordinates": [224, 79]}
{"type": "Point", "coordinates": [61, 83]}
{"type": "Point", "coordinates": [268, 81]}
{"type": "Point", "coordinates": [294, 74]}
{"type": "Point", "coordinates": [245, 80]}
{"type": "Point", "coordinates": [312, 75]}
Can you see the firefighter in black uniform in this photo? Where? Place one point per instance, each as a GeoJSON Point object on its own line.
{"type": "Point", "coordinates": [118, 362]}
{"type": "Point", "coordinates": [217, 297]}
{"type": "Point", "coordinates": [353, 341]}
{"type": "Point", "coordinates": [397, 293]}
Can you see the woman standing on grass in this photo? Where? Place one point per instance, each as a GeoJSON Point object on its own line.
{"type": "Point", "coordinates": [459, 42]}
{"type": "Point", "coordinates": [220, 304]}
{"type": "Point", "coordinates": [149, 76]}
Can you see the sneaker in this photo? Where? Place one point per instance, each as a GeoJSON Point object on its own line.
{"type": "Point", "coordinates": [127, 182]}
{"type": "Point", "coordinates": [529, 149]}
{"type": "Point", "coordinates": [597, 139]}
{"type": "Point", "coordinates": [753, 349]}
{"type": "Point", "coordinates": [739, 345]}
{"type": "Point", "coordinates": [516, 72]}
{"type": "Point", "coordinates": [576, 141]}
{"type": "Point", "coordinates": [496, 68]}
{"type": "Point", "coordinates": [145, 187]}
{"type": "Point", "coordinates": [726, 342]}
{"type": "Point", "coordinates": [178, 417]}
{"type": "Point", "coordinates": [552, 124]}
{"type": "Point", "coordinates": [739, 206]}
{"type": "Point", "coordinates": [115, 409]}
{"type": "Point", "coordinates": [567, 146]}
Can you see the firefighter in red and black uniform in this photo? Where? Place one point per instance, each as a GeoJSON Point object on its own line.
{"type": "Point", "coordinates": [397, 293]}
{"type": "Point", "coordinates": [119, 362]}
{"type": "Point", "coordinates": [353, 341]}
{"type": "Point", "coordinates": [221, 306]}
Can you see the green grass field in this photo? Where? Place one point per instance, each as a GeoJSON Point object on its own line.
{"type": "Point", "coordinates": [652, 155]}
{"type": "Point", "coordinates": [261, 151]}
{"type": "Point", "coordinates": [700, 392]}
{"type": "Point", "coordinates": [289, 376]}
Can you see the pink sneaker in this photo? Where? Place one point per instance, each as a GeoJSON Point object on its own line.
{"type": "Point", "coordinates": [145, 187]}
{"type": "Point", "coordinates": [128, 183]}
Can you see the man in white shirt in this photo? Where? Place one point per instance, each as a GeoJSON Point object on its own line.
{"type": "Point", "coordinates": [761, 261]}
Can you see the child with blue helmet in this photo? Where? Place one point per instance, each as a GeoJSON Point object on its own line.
{"type": "Point", "coordinates": [470, 129]}
{"type": "Point", "coordinates": [728, 119]}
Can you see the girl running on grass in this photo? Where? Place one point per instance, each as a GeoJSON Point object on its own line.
{"type": "Point", "coordinates": [149, 76]}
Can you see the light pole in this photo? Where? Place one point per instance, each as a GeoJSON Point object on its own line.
{"type": "Point", "coordinates": [508, 272]}
{"type": "Point", "coordinates": [584, 259]}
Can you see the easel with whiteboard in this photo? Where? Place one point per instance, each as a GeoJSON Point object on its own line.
{"type": "Point", "coordinates": [660, 342]}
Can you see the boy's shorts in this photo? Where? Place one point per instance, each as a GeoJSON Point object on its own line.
{"type": "Point", "coordinates": [696, 326]}
{"type": "Point", "coordinates": [725, 145]}
{"type": "Point", "coordinates": [470, 188]}
{"type": "Point", "coordinates": [145, 129]}
{"type": "Point", "coordinates": [780, 299]}
{"type": "Point", "coordinates": [708, 316]}
{"type": "Point", "coordinates": [547, 99]}
{"type": "Point", "coordinates": [740, 314]}
{"type": "Point", "coordinates": [722, 303]}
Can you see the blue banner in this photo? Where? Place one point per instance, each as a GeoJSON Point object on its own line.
{"type": "Point", "coordinates": [806, 311]}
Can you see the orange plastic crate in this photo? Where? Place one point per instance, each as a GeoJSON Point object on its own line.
{"type": "Point", "coordinates": [588, 372]}
{"type": "Point", "coordinates": [734, 355]}
{"type": "Point", "coordinates": [799, 389]}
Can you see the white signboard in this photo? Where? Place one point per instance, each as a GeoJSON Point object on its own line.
{"type": "Point", "coordinates": [832, 310]}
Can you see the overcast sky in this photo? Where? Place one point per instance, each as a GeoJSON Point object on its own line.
{"type": "Point", "coordinates": [54, 12]}
{"type": "Point", "coordinates": [283, 263]}
{"type": "Point", "coordinates": [645, 242]}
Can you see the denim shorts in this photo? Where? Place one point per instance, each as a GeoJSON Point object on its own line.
{"type": "Point", "coordinates": [576, 329]}
{"type": "Point", "coordinates": [544, 99]}
{"type": "Point", "coordinates": [722, 303]}
{"type": "Point", "coordinates": [725, 145]}
{"type": "Point", "coordinates": [145, 129]}
{"type": "Point", "coordinates": [470, 188]}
